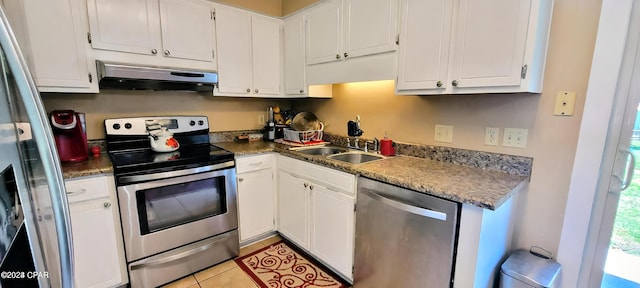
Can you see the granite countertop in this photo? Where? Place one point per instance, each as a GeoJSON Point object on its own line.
{"type": "Point", "coordinates": [479, 187]}
{"type": "Point", "coordinates": [93, 166]}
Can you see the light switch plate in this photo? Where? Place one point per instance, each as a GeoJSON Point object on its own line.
{"type": "Point", "coordinates": [514, 137]}
{"type": "Point", "coordinates": [444, 133]}
{"type": "Point", "coordinates": [565, 103]}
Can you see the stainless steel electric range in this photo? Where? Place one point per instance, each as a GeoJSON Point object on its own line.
{"type": "Point", "coordinates": [178, 209]}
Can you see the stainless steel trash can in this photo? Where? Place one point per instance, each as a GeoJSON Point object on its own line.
{"type": "Point", "coordinates": [524, 269]}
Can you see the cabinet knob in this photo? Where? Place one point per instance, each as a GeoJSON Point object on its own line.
{"type": "Point", "coordinates": [255, 90]}
{"type": "Point", "coordinates": [454, 83]}
{"type": "Point", "coordinates": [337, 56]}
{"type": "Point", "coordinates": [248, 90]}
{"type": "Point", "coordinates": [346, 54]}
{"type": "Point", "coordinates": [310, 187]}
{"type": "Point", "coordinates": [439, 83]}
{"type": "Point", "coordinates": [301, 91]}
{"type": "Point", "coordinates": [154, 51]}
{"type": "Point", "coordinates": [167, 52]}
{"type": "Point", "coordinates": [107, 204]}
{"type": "Point", "coordinates": [306, 185]}
{"type": "Point", "coordinates": [240, 179]}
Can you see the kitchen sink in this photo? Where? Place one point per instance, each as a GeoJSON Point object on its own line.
{"type": "Point", "coordinates": [320, 150]}
{"type": "Point", "coordinates": [355, 157]}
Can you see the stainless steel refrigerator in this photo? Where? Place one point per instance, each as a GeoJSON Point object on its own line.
{"type": "Point", "coordinates": [35, 232]}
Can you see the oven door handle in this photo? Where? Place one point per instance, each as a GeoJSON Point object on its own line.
{"type": "Point", "coordinates": [180, 255]}
{"type": "Point", "coordinates": [164, 175]}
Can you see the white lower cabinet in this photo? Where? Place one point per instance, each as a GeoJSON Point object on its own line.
{"type": "Point", "coordinates": [97, 235]}
{"type": "Point", "coordinates": [316, 212]}
{"type": "Point", "coordinates": [256, 195]}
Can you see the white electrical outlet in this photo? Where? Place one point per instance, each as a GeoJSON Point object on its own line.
{"type": "Point", "coordinates": [491, 136]}
{"type": "Point", "coordinates": [261, 119]}
{"type": "Point", "coordinates": [514, 137]}
{"type": "Point", "coordinates": [444, 133]}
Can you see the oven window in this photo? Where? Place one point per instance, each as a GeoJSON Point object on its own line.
{"type": "Point", "coordinates": [168, 206]}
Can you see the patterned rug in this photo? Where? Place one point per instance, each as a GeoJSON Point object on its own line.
{"type": "Point", "coordinates": [279, 266]}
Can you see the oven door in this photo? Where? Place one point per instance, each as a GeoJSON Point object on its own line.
{"type": "Point", "coordinates": [163, 214]}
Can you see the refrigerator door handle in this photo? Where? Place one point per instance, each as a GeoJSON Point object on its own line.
{"type": "Point", "coordinates": [46, 147]}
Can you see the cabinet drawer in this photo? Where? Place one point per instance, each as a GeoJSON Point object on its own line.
{"type": "Point", "coordinates": [331, 178]}
{"type": "Point", "coordinates": [84, 189]}
{"type": "Point", "coordinates": [254, 163]}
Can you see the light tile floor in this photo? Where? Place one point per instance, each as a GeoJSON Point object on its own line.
{"type": "Point", "coordinates": [226, 274]}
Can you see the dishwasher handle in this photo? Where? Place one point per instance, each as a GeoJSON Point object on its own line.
{"type": "Point", "coordinates": [405, 207]}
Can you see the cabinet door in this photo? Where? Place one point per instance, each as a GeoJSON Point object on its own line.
{"type": "Point", "coordinates": [293, 209]}
{"type": "Point", "coordinates": [233, 30]}
{"type": "Point", "coordinates": [256, 197]}
{"type": "Point", "coordinates": [266, 44]}
{"type": "Point", "coordinates": [324, 33]}
{"type": "Point", "coordinates": [332, 228]}
{"type": "Point", "coordinates": [187, 30]}
{"type": "Point", "coordinates": [489, 42]}
{"type": "Point", "coordinates": [95, 248]}
{"type": "Point", "coordinates": [294, 72]}
{"type": "Point", "coordinates": [370, 26]}
{"type": "Point", "coordinates": [57, 51]}
{"type": "Point", "coordinates": [125, 25]}
{"type": "Point", "coordinates": [423, 55]}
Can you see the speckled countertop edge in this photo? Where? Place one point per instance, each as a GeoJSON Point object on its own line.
{"type": "Point", "coordinates": [92, 166]}
{"type": "Point", "coordinates": [480, 187]}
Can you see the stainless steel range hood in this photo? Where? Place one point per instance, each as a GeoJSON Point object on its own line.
{"type": "Point", "coordinates": [123, 76]}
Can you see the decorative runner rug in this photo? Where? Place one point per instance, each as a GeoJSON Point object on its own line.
{"type": "Point", "coordinates": [279, 266]}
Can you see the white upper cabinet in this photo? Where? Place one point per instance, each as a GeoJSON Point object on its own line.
{"type": "Point", "coordinates": [159, 32]}
{"type": "Point", "coordinates": [294, 74]}
{"type": "Point", "coordinates": [350, 28]}
{"type": "Point", "coordinates": [324, 33]}
{"type": "Point", "coordinates": [462, 46]}
{"type": "Point", "coordinates": [489, 43]}
{"type": "Point", "coordinates": [423, 56]}
{"type": "Point", "coordinates": [125, 25]}
{"type": "Point", "coordinates": [187, 32]}
{"type": "Point", "coordinates": [55, 47]}
{"type": "Point", "coordinates": [369, 27]}
{"type": "Point", "coordinates": [249, 53]}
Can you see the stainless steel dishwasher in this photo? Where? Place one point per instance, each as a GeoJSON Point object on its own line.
{"type": "Point", "coordinates": [403, 238]}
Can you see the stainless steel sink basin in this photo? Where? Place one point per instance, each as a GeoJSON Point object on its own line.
{"type": "Point", "coordinates": [356, 157]}
{"type": "Point", "coordinates": [320, 150]}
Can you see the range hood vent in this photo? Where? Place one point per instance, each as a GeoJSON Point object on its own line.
{"type": "Point", "coordinates": [122, 76]}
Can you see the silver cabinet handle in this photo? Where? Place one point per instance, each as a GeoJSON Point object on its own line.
{"type": "Point", "coordinates": [454, 83]}
{"type": "Point", "coordinates": [306, 185]}
{"type": "Point", "coordinates": [248, 90]}
{"type": "Point", "coordinates": [405, 207]}
{"type": "Point", "coordinates": [107, 204]}
{"type": "Point", "coordinates": [256, 91]}
{"type": "Point", "coordinates": [256, 164]}
{"type": "Point", "coordinates": [73, 193]}
{"type": "Point", "coordinates": [439, 84]}
{"type": "Point", "coordinates": [337, 56]}
{"type": "Point", "coordinates": [346, 54]}
{"type": "Point", "coordinates": [167, 52]}
{"type": "Point", "coordinates": [240, 179]}
{"type": "Point", "coordinates": [154, 51]}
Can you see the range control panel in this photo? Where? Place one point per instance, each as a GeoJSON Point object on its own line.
{"type": "Point", "coordinates": [138, 125]}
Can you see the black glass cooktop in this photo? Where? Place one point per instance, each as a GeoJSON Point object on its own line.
{"type": "Point", "coordinates": [147, 161]}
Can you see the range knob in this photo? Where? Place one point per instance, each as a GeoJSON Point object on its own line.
{"type": "Point", "coordinates": [192, 123]}
{"type": "Point", "coordinates": [116, 126]}
{"type": "Point", "coordinates": [201, 122]}
{"type": "Point", "coordinates": [127, 125]}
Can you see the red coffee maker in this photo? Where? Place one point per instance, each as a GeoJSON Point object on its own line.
{"type": "Point", "coordinates": [70, 134]}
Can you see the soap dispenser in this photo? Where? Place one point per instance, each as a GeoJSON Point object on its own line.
{"type": "Point", "coordinates": [386, 146]}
